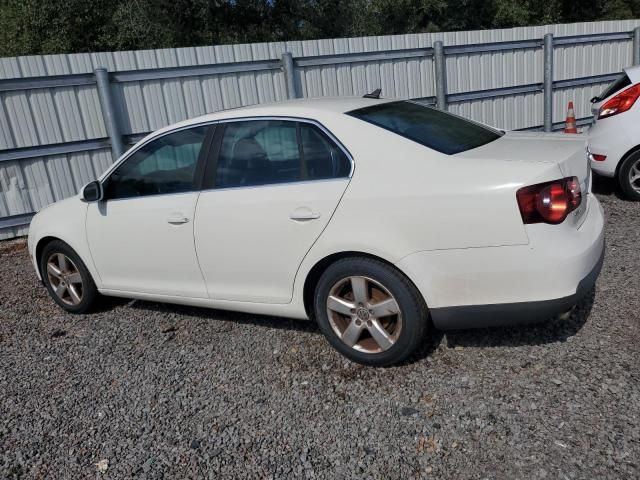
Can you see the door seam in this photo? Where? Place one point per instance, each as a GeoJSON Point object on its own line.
{"type": "Point", "coordinates": [295, 277]}
{"type": "Point", "coordinates": [195, 248]}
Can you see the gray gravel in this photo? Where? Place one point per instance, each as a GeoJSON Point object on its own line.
{"type": "Point", "coordinates": [154, 391]}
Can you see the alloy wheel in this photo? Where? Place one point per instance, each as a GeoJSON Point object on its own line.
{"type": "Point", "coordinates": [364, 314]}
{"type": "Point", "coordinates": [65, 279]}
{"type": "Point", "coordinates": [634, 175]}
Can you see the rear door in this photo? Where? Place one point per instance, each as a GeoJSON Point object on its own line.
{"type": "Point", "coordinates": [268, 194]}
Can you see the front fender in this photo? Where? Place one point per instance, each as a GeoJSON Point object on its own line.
{"type": "Point", "coordinates": [66, 221]}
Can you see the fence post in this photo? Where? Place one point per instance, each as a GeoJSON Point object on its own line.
{"type": "Point", "coordinates": [108, 112]}
{"type": "Point", "coordinates": [548, 82]}
{"type": "Point", "coordinates": [636, 46]}
{"type": "Point", "coordinates": [441, 75]}
{"type": "Point", "coordinates": [288, 68]}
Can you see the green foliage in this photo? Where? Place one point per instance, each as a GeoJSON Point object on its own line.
{"type": "Point", "coordinates": [65, 26]}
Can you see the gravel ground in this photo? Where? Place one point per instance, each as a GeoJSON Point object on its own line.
{"type": "Point", "coordinates": [154, 391]}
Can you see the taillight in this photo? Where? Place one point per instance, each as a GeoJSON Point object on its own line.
{"type": "Point", "coordinates": [620, 103]}
{"type": "Point", "coordinates": [549, 202]}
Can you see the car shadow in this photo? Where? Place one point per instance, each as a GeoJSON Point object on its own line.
{"type": "Point", "coordinates": [557, 329]}
{"type": "Point", "coordinates": [107, 304]}
{"type": "Point", "coordinates": [427, 347]}
{"type": "Point", "coordinates": [263, 321]}
{"type": "Point", "coordinates": [606, 186]}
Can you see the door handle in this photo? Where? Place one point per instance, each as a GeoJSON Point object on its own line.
{"type": "Point", "coordinates": [303, 213]}
{"type": "Point", "coordinates": [177, 218]}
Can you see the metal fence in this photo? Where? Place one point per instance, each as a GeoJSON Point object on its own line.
{"type": "Point", "coordinates": [65, 118]}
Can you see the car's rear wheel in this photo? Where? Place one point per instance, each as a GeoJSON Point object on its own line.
{"type": "Point", "coordinates": [629, 176]}
{"type": "Point", "coordinates": [369, 311]}
{"type": "Point", "coordinates": [67, 279]}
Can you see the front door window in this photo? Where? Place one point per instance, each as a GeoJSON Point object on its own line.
{"type": "Point", "coordinates": [164, 166]}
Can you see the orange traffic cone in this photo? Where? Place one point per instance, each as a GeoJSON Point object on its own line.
{"type": "Point", "coordinates": [570, 122]}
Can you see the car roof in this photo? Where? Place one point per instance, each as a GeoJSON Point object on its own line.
{"type": "Point", "coordinates": [633, 73]}
{"type": "Point", "coordinates": [303, 108]}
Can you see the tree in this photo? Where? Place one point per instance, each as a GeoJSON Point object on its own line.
{"type": "Point", "coordinates": [65, 26]}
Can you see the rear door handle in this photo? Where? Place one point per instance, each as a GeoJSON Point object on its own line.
{"type": "Point", "coordinates": [177, 218]}
{"type": "Point", "coordinates": [303, 213]}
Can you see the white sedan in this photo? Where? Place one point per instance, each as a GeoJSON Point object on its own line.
{"type": "Point", "coordinates": [373, 217]}
{"type": "Point", "coordinates": [614, 137]}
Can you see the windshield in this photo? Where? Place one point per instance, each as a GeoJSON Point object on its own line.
{"type": "Point", "coordinates": [618, 84]}
{"type": "Point", "coordinates": [441, 131]}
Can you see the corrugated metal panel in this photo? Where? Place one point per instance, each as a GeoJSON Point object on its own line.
{"type": "Point", "coordinates": [13, 232]}
{"type": "Point", "coordinates": [580, 97]}
{"type": "Point", "coordinates": [61, 114]}
{"type": "Point", "coordinates": [28, 185]}
{"type": "Point", "coordinates": [509, 113]}
{"type": "Point", "coordinates": [406, 78]}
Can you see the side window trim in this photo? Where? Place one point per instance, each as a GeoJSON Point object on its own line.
{"type": "Point", "coordinates": [304, 173]}
{"type": "Point", "coordinates": [211, 168]}
{"type": "Point", "coordinates": [208, 182]}
{"type": "Point", "coordinates": [202, 156]}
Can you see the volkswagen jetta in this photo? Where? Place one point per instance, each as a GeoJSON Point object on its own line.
{"type": "Point", "coordinates": [373, 217]}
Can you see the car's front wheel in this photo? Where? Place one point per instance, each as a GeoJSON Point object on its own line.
{"type": "Point", "coordinates": [369, 311]}
{"type": "Point", "coordinates": [67, 279]}
{"type": "Point", "coordinates": [629, 176]}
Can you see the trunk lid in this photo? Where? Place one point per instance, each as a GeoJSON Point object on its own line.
{"type": "Point", "coordinates": [568, 152]}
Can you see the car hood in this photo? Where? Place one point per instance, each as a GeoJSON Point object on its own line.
{"type": "Point", "coordinates": [60, 204]}
{"type": "Point", "coordinates": [55, 214]}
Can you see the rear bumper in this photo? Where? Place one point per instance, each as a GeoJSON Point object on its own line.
{"type": "Point", "coordinates": [479, 316]}
{"type": "Point", "coordinates": [480, 287]}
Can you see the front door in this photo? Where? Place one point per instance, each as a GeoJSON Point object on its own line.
{"type": "Point", "coordinates": [141, 234]}
{"type": "Point", "coordinates": [271, 191]}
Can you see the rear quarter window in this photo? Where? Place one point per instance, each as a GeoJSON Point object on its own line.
{"type": "Point", "coordinates": [438, 130]}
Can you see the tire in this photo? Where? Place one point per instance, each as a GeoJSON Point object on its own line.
{"type": "Point", "coordinates": [353, 327]}
{"type": "Point", "coordinates": [629, 165]}
{"type": "Point", "coordinates": [78, 292]}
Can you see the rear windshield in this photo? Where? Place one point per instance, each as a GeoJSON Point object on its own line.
{"type": "Point", "coordinates": [619, 84]}
{"type": "Point", "coordinates": [432, 128]}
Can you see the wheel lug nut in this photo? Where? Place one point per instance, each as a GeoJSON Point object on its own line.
{"type": "Point", "coordinates": [369, 323]}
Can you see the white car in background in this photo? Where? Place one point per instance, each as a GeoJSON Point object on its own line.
{"type": "Point", "coordinates": [614, 137]}
{"type": "Point", "coordinates": [371, 216]}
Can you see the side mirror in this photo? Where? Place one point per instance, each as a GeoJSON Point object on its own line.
{"type": "Point", "coordinates": [92, 192]}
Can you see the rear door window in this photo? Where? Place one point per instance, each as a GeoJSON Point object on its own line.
{"type": "Point", "coordinates": [266, 152]}
{"type": "Point", "coordinates": [428, 126]}
{"type": "Point", "coordinates": [258, 153]}
{"type": "Point", "coordinates": [321, 157]}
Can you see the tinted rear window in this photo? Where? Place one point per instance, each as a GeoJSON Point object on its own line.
{"type": "Point", "coordinates": [619, 84]}
{"type": "Point", "coordinates": [432, 128]}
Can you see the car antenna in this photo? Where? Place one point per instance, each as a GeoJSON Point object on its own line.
{"type": "Point", "coordinates": [375, 94]}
